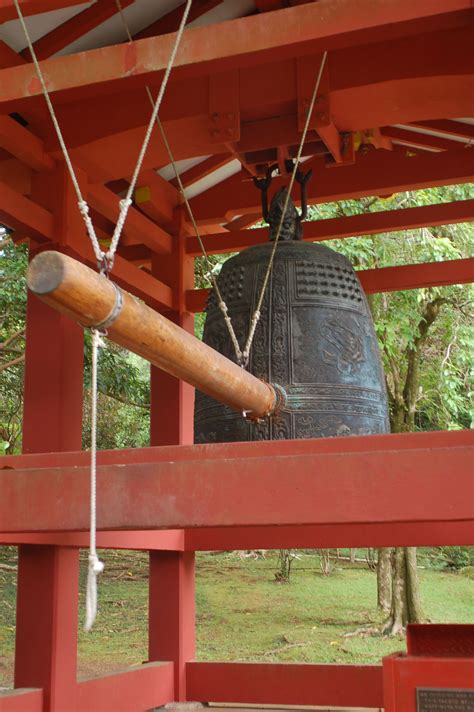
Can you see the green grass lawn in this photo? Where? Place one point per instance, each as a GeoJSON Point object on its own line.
{"type": "Point", "coordinates": [242, 614]}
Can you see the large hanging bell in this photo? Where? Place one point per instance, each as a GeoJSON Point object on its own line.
{"type": "Point", "coordinates": [315, 339]}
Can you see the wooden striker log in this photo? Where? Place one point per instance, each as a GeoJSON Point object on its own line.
{"type": "Point", "coordinates": [78, 291]}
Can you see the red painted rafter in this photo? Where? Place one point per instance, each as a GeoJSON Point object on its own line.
{"type": "Point", "coordinates": [33, 7]}
{"type": "Point", "coordinates": [138, 228]}
{"type": "Point", "coordinates": [8, 56]}
{"type": "Point", "coordinates": [24, 215]}
{"type": "Point", "coordinates": [170, 21]}
{"type": "Point", "coordinates": [348, 226]}
{"type": "Point", "coordinates": [24, 145]}
{"type": "Point", "coordinates": [287, 32]}
{"type": "Point", "coordinates": [419, 140]}
{"type": "Point", "coordinates": [209, 490]}
{"type": "Point", "coordinates": [268, 119]}
{"type": "Point", "coordinates": [76, 27]}
{"type": "Point", "coordinates": [449, 128]}
{"type": "Point", "coordinates": [203, 169]}
{"type": "Point", "coordinates": [387, 279]}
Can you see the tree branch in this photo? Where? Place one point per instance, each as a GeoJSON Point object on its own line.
{"type": "Point", "coordinates": [14, 362]}
{"type": "Point", "coordinates": [12, 338]}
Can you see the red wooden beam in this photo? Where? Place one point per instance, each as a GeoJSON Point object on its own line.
{"type": "Point", "coordinates": [203, 169]}
{"type": "Point", "coordinates": [33, 7]}
{"type": "Point", "coordinates": [138, 228]}
{"type": "Point", "coordinates": [419, 140]}
{"type": "Point", "coordinates": [348, 226]}
{"type": "Point", "coordinates": [24, 215]}
{"type": "Point", "coordinates": [325, 536]}
{"type": "Point", "coordinates": [288, 32]}
{"type": "Point", "coordinates": [138, 688]}
{"type": "Point", "coordinates": [386, 279]}
{"type": "Point", "coordinates": [358, 487]}
{"type": "Point", "coordinates": [429, 274]}
{"type": "Point", "coordinates": [224, 451]}
{"type": "Point", "coordinates": [169, 540]}
{"type": "Point", "coordinates": [76, 27]}
{"type": "Point", "coordinates": [156, 197]}
{"type": "Point", "coordinates": [8, 56]}
{"type": "Point", "coordinates": [21, 700]}
{"type": "Point", "coordinates": [360, 96]}
{"type": "Point", "coordinates": [24, 145]}
{"type": "Point", "coordinates": [376, 173]}
{"type": "Point", "coordinates": [170, 21]}
{"type": "Point", "coordinates": [449, 128]}
{"type": "Point", "coordinates": [287, 684]}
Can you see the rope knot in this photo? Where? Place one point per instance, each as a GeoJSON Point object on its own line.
{"type": "Point", "coordinates": [83, 208]}
{"type": "Point", "coordinates": [95, 564]}
{"type": "Point", "coordinates": [125, 203]}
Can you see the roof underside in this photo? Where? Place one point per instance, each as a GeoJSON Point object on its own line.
{"type": "Point", "coordinates": [396, 93]}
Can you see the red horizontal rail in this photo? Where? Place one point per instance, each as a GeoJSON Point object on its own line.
{"type": "Point", "coordinates": [329, 536]}
{"type": "Point", "coordinates": [374, 485]}
{"type": "Point", "coordinates": [168, 540]}
{"type": "Point", "coordinates": [290, 684]}
{"type": "Point", "coordinates": [21, 700]}
{"type": "Point", "coordinates": [139, 688]}
{"type": "Point", "coordinates": [275, 448]}
{"type": "Point", "coordinates": [319, 536]}
{"type": "Point", "coordinates": [386, 279]}
{"type": "Point", "coordinates": [347, 226]}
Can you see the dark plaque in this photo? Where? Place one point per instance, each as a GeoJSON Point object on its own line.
{"type": "Point", "coordinates": [444, 700]}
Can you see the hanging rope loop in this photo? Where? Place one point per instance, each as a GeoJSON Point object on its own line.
{"type": "Point", "coordinates": [105, 263]}
{"type": "Point", "coordinates": [95, 565]}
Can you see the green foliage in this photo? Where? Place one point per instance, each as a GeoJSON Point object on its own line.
{"type": "Point", "coordinates": [444, 372]}
{"type": "Point", "coordinates": [452, 558]}
{"type": "Point", "coordinates": [13, 263]}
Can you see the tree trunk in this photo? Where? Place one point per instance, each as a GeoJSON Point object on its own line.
{"type": "Point", "coordinates": [384, 579]}
{"type": "Point", "coordinates": [406, 601]}
{"type": "Point", "coordinates": [414, 606]}
{"type": "Point", "coordinates": [397, 619]}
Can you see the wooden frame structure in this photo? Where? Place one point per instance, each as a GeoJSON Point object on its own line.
{"type": "Point", "coordinates": [399, 77]}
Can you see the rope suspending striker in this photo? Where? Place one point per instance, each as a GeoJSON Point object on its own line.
{"type": "Point", "coordinates": [105, 262]}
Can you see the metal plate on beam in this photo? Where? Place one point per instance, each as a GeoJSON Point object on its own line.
{"type": "Point", "coordinates": [444, 700]}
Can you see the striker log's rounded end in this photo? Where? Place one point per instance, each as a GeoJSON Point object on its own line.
{"type": "Point", "coordinates": [45, 272]}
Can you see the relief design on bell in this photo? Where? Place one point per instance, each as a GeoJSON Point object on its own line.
{"type": "Point", "coordinates": [343, 348]}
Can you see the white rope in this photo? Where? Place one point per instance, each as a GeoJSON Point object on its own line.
{"type": "Point", "coordinates": [105, 261]}
{"type": "Point", "coordinates": [220, 300]}
{"type": "Point", "coordinates": [83, 207]}
{"type": "Point", "coordinates": [95, 565]}
{"type": "Point", "coordinates": [125, 204]}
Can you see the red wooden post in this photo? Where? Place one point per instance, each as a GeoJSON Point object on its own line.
{"type": "Point", "coordinates": [171, 584]}
{"type": "Point", "coordinates": [48, 576]}
{"type": "Point", "coordinates": [172, 400]}
{"type": "Point", "coordinates": [172, 612]}
{"type": "Point", "coordinates": [46, 633]}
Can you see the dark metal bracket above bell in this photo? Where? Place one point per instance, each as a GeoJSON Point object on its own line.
{"type": "Point", "coordinates": [291, 228]}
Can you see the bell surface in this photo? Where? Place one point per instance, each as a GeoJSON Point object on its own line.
{"type": "Point", "coordinates": [315, 338]}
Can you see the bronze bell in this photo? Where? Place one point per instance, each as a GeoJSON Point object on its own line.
{"type": "Point", "coordinates": [315, 339]}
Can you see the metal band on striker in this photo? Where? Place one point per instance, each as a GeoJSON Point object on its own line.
{"type": "Point", "coordinates": [114, 313]}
